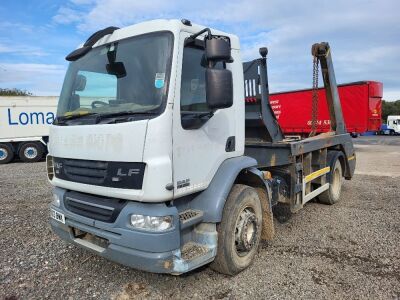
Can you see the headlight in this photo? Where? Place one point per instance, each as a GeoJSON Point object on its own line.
{"type": "Point", "coordinates": [56, 200]}
{"type": "Point", "coordinates": [151, 223]}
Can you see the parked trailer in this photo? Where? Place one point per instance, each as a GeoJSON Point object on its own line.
{"type": "Point", "coordinates": [361, 104]}
{"type": "Point", "coordinates": [169, 171]}
{"type": "Point", "coordinates": [24, 127]}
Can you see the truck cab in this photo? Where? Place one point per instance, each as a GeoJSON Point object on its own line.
{"type": "Point", "coordinates": [149, 159]}
{"type": "Point", "coordinates": [393, 125]}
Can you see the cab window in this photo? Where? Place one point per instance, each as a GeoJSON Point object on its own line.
{"type": "Point", "coordinates": [193, 104]}
{"type": "Point", "coordinates": [193, 85]}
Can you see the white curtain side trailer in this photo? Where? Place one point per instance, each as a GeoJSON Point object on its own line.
{"type": "Point", "coordinates": [24, 126]}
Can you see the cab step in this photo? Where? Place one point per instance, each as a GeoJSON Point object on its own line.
{"type": "Point", "coordinates": [192, 250]}
{"type": "Point", "coordinates": [192, 256]}
{"type": "Point", "coordinates": [198, 251]}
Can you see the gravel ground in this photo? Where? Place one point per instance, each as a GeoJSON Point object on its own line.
{"type": "Point", "coordinates": [349, 250]}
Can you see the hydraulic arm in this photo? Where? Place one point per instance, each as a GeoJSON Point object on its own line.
{"type": "Point", "coordinates": [323, 54]}
{"type": "Point", "coordinates": [261, 123]}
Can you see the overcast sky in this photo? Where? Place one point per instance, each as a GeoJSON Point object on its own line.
{"type": "Point", "coordinates": [35, 36]}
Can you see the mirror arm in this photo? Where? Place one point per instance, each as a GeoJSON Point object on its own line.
{"type": "Point", "coordinates": [191, 38]}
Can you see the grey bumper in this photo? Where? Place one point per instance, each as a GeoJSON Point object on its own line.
{"type": "Point", "coordinates": [160, 262]}
{"type": "Point", "coordinates": [155, 252]}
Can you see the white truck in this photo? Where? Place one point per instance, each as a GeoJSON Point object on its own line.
{"type": "Point", "coordinates": [24, 127]}
{"type": "Point", "coordinates": [157, 163]}
{"type": "Point", "coordinates": [391, 127]}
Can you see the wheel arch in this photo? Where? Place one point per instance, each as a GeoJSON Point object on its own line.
{"type": "Point", "coordinates": [239, 170]}
{"type": "Point", "coordinates": [212, 200]}
{"type": "Point", "coordinates": [337, 154]}
{"type": "Point", "coordinates": [254, 177]}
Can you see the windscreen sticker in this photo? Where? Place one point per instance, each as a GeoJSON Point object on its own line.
{"type": "Point", "coordinates": [159, 80]}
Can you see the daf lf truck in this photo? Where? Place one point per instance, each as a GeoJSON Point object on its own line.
{"type": "Point", "coordinates": [24, 127]}
{"type": "Point", "coordinates": [157, 163]}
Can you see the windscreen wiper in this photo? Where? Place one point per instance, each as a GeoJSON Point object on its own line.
{"type": "Point", "coordinates": [62, 119]}
{"type": "Point", "coordinates": [124, 114]}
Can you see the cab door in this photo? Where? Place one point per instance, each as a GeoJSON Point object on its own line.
{"type": "Point", "coordinates": [200, 136]}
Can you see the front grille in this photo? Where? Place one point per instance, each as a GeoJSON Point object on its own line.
{"type": "Point", "coordinates": [126, 175]}
{"type": "Point", "coordinates": [88, 171]}
{"type": "Point", "coordinates": [94, 207]}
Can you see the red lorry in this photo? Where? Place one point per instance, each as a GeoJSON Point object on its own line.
{"type": "Point", "coordinates": [361, 104]}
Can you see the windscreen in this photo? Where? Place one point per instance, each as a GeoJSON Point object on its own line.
{"type": "Point", "coordinates": [128, 76]}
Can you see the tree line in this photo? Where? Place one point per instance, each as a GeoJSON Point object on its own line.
{"type": "Point", "coordinates": [390, 108]}
{"type": "Point", "coordinates": [14, 92]}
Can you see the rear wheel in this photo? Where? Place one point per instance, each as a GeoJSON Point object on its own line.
{"type": "Point", "coordinates": [31, 152]}
{"type": "Point", "coordinates": [239, 232]}
{"type": "Point", "coordinates": [354, 134]}
{"type": "Point", "coordinates": [332, 195]}
{"type": "Point", "coordinates": [6, 153]}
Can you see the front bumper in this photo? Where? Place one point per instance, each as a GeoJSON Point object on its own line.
{"type": "Point", "coordinates": [160, 262]}
{"type": "Point", "coordinates": [157, 252]}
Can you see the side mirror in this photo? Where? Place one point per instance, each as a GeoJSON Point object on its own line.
{"type": "Point", "coordinates": [219, 88]}
{"type": "Point", "coordinates": [218, 49]}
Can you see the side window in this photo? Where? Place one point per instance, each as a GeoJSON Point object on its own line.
{"type": "Point", "coordinates": [194, 109]}
{"type": "Point", "coordinates": [193, 85]}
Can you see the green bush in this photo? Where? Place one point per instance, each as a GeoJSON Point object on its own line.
{"type": "Point", "coordinates": [14, 92]}
{"type": "Point", "coordinates": [390, 108]}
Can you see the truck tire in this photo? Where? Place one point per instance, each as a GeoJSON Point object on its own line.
{"type": "Point", "coordinates": [6, 153]}
{"type": "Point", "coordinates": [31, 152]}
{"type": "Point", "coordinates": [239, 232]}
{"type": "Point", "coordinates": [354, 135]}
{"type": "Point", "coordinates": [335, 178]}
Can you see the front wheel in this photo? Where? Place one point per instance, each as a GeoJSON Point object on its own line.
{"type": "Point", "coordinates": [239, 232]}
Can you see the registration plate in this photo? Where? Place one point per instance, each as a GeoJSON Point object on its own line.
{"type": "Point", "coordinates": [57, 216]}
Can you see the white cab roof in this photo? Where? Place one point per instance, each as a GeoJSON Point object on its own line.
{"type": "Point", "coordinates": [175, 26]}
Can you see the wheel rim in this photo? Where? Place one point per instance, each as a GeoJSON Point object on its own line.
{"type": "Point", "coordinates": [3, 153]}
{"type": "Point", "coordinates": [336, 186]}
{"type": "Point", "coordinates": [30, 152]}
{"type": "Point", "coordinates": [246, 231]}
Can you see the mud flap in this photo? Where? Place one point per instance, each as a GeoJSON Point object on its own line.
{"type": "Point", "coordinates": [268, 229]}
